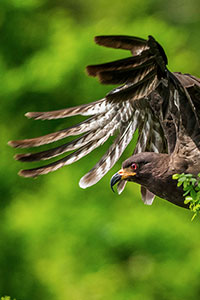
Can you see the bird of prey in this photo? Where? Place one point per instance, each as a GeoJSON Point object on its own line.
{"type": "Point", "coordinates": [163, 106]}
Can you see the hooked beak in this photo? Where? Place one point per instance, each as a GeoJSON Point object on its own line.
{"type": "Point", "coordinates": [115, 178]}
{"type": "Point", "coordinates": [120, 175]}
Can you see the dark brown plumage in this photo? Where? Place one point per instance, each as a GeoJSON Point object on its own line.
{"type": "Point", "coordinates": [162, 105]}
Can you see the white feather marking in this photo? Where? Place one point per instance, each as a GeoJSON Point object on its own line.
{"type": "Point", "coordinates": [154, 148]}
{"type": "Point", "coordinates": [176, 99]}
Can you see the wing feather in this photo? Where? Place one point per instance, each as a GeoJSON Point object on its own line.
{"type": "Point", "coordinates": [112, 155]}
{"type": "Point", "coordinates": [69, 159]}
{"type": "Point", "coordinates": [92, 123]}
{"type": "Point", "coordinates": [134, 61]}
{"type": "Point", "coordinates": [132, 75]}
{"type": "Point", "coordinates": [135, 91]}
{"type": "Point", "coordinates": [135, 44]}
{"type": "Point", "coordinates": [92, 108]}
{"type": "Point", "coordinates": [124, 109]}
{"type": "Point", "coordinates": [109, 129]}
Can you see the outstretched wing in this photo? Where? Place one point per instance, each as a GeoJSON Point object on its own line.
{"type": "Point", "coordinates": [141, 101]}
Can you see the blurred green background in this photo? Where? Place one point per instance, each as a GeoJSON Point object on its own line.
{"type": "Point", "coordinates": [58, 241]}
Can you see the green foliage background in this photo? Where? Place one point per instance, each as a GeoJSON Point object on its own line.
{"type": "Point", "coordinates": [58, 241]}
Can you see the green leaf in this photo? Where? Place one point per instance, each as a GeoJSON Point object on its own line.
{"type": "Point", "coordinates": [193, 194]}
{"type": "Point", "coordinates": [188, 199]}
{"type": "Point", "coordinates": [193, 181]}
{"type": "Point", "coordinates": [176, 176]}
{"type": "Point", "coordinates": [187, 192]}
{"type": "Point", "coordinates": [191, 188]}
{"type": "Point", "coordinates": [185, 185]}
{"type": "Point", "coordinates": [193, 216]}
{"type": "Point", "coordinates": [188, 175]}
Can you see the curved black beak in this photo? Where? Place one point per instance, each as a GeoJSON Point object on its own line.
{"type": "Point", "coordinates": [115, 178]}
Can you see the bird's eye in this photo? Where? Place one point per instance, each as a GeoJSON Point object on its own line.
{"type": "Point", "coordinates": [133, 166]}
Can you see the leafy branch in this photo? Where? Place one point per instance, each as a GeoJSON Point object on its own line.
{"type": "Point", "coordinates": [191, 188]}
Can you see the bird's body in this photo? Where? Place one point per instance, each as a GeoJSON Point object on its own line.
{"type": "Point", "coordinates": [163, 106]}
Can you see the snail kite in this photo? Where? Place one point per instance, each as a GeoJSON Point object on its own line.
{"type": "Point", "coordinates": [164, 106]}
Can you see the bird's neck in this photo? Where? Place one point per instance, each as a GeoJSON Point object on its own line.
{"type": "Point", "coordinates": [158, 180]}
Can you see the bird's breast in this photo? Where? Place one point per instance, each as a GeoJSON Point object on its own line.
{"type": "Point", "coordinates": [166, 188]}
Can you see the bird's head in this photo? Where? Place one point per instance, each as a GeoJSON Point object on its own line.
{"type": "Point", "coordinates": [139, 168]}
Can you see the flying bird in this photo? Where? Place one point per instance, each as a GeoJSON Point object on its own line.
{"type": "Point", "coordinates": [163, 106]}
